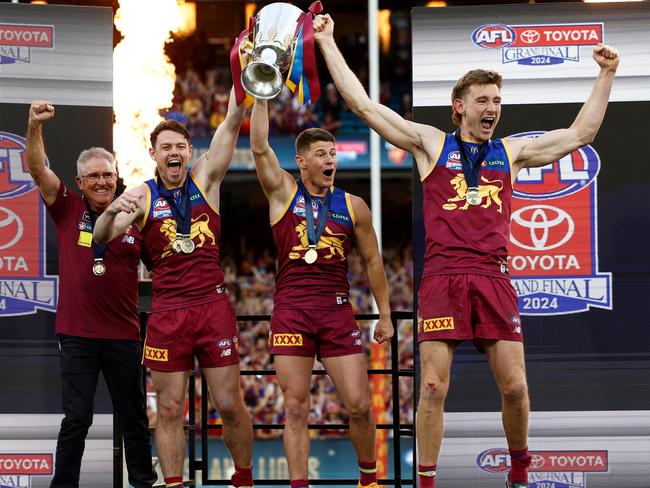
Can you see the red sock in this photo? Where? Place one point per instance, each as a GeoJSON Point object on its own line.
{"type": "Point", "coordinates": [427, 476]}
{"type": "Point", "coordinates": [299, 483]}
{"type": "Point", "coordinates": [368, 473]}
{"type": "Point", "coordinates": [174, 481]}
{"type": "Point", "coordinates": [242, 476]}
{"type": "Point", "coordinates": [519, 462]}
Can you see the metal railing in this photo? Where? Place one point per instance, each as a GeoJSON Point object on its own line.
{"type": "Point", "coordinates": [399, 429]}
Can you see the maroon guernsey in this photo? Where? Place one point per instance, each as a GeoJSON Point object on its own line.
{"type": "Point", "coordinates": [463, 238]}
{"type": "Point", "coordinates": [324, 283]}
{"type": "Point", "coordinates": [98, 307]}
{"type": "Point", "coordinates": [182, 280]}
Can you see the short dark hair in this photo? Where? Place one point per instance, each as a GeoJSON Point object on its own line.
{"type": "Point", "coordinates": [168, 125]}
{"type": "Point", "coordinates": [308, 136]}
{"type": "Point", "coordinates": [474, 77]}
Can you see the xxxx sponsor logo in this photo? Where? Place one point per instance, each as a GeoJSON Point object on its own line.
{"type": "Point", "coordinates": [441, 323]}
{"type": "Point", "coordinates": [156, 354]}
{"type": "Point", "coordinates": [287, 339]}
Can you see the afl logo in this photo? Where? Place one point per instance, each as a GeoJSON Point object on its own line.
{"type": "Point", "coordinates": [566, 176]}
{"type": "Point", "coordinates": [494, 460]}
{"type": "Point", "coordinates": [493, 36]}
{"type": "Point", "coordinates": [15, 180]}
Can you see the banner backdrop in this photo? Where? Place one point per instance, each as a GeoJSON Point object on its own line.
{"type": "Point", "coordinates": [580, 235]}
{"type": "Point", "coordinates": [64, 55]}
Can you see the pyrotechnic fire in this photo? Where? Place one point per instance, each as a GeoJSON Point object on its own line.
{"type": "Point", "coordinates": [143, 80]}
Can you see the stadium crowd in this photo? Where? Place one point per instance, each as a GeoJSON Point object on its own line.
{"type": "Point", "coordinates": [250, 283]}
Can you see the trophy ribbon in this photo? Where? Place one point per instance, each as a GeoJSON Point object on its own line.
{"type": "Point", "coordinates": [237, 63]}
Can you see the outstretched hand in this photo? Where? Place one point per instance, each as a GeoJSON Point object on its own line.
{"type": "Point", "coordinates": [606, 56]}
{"type": "Point", "coordinates": [323, 27]}
{"type": "Point", "coordinates": [40, 111]}
{"type": "Point", "coordinates": [127, 202]}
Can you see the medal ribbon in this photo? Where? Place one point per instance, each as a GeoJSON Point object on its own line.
{"type": "Point", "coordinates": [181, 208]}
{"type": "Point", "coordinates": [98, 249]}
{"type": "Point", "coordinates": [471, 168]}
{"type": "Point", "coordinates": [314, 233]}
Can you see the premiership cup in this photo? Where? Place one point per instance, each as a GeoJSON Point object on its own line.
{"type": "Point", "coordinates": [277, 28]}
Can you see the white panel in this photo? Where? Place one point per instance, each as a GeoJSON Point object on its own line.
{"type": "Point", "coordinates": [443, 50]}
{"type": "Point", "coordinates": [78, 70]}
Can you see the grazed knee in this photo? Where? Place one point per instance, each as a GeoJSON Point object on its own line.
{"type": "Point", "coordinates": [433, 389]}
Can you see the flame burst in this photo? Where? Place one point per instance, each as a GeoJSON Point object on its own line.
{"type": "Point", "coordinates": [143, 80]}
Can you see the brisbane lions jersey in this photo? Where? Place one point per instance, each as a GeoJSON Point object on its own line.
{"type": "Point", "coordinates": [181, 280]}
{"type": "Point", "coordinates": [324, 283]}
{"type": "Point", "coordinates": [464, 238]}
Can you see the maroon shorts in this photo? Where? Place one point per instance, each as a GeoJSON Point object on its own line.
{"type": "Point", "coordinates": [310, 332]}
{"type": "Point", "coordinates": [207, 331]}
{"type": "Point", "coordinates": [466, 307]}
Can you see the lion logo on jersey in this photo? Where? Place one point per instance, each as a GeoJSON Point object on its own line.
{"type": "Point", "coordinates": [329, 240]}
{"type": "Point", "coordinates": [489, 191]}
{"type": "Point", "coordinates": [199, 229]}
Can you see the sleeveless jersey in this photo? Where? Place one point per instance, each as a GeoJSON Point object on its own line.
{"type": "Point", "coordinates": [324, 283]}
{"type": "Point", "coordinates": [464, 238]}
{"type": "Point", "coordinates": [181, 280]}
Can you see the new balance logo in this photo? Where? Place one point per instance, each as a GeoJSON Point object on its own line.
{"type": "Point", "coordinates": [287, 339]}
{"type": "Point", "coordinates": [155, 354]}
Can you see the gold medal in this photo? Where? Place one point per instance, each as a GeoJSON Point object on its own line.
{"type": "Point", "coordinates": [176, 246]}
{"type": "Point", "coordinates": [187, 245]}
{"type": "Point", "coordinates": [473, 197]}
{"type": "Point", "coordinates": [99, 268]}
{"type": "Point", "coordinates": [310, 256]}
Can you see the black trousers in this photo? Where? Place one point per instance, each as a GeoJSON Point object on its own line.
{"type": "Point", "coordinates": [119, 361]}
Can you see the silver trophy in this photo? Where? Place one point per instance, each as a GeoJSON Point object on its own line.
{"type": "Point", "coordinates": [277, 29]}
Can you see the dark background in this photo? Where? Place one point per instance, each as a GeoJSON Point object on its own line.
{"type": "Point", "coordinates": [596, 360]}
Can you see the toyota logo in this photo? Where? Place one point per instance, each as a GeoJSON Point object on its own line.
{"type": "Point", "coordinates": [539, 220]}
{"type": "Point", "coordinates": [11, 228]}
{"type": "Point", "coordinates": [529, 36]}
{"type": "Point", "coordinates": [537, 461]}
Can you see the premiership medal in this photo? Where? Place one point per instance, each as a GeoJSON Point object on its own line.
{"type": "Point", "coordinates": [472, 196]}
{"type": "Point", "coordinates": [181, 209]}
{"type": "Point", "coordinates": [99, 268]}
{"type": "Point", "coordinates": [176, 246]}
{"type": "Point", "coordinates": [311, 255]}
{"type": "Point", "coordinates": [187, 245]}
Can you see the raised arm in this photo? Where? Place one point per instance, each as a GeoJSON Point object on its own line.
{"type": "Point", "coordinates": [556, 144]}
{"type": "Point", "coordinates": [125, 210]}
{"type": "Point", "coordinates": [47, 181]}
{"type": "Point", "coordinates": [420, 140]}
{"type": "Point", "coordinates": [213, 167]}
{"type": "Point", "coordinates": [364, 234]}
{"type": "Point", "coordinates": [276, 182]}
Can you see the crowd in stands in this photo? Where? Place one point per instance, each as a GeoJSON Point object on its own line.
{"type": "Point", "coordinates": [201, 101]}
{"type": "Point", "coordinates": [250, 283]}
